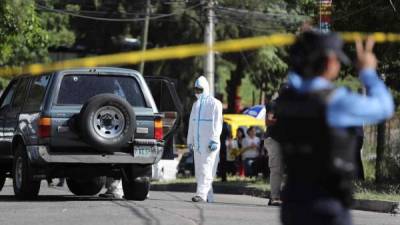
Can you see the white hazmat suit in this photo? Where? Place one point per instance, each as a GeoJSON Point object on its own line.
{"type": "Point", "coordinates": [205, 126]}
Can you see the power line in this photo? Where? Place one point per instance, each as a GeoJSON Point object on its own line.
{"type": "Point", "coordinates": [357, 11]}
{"type": "Point", "coordinates": [74, 14]}
{"type": "Point", "coordinates": [286, 20]}
{"type": "Point", "coordinates": [252, 28]}
{"type": "Point", "coordinates": [243, 24]}
{"type": "Point", "coordinates": [247, 26]}
{"type": "Point", "coordinates": [258, 14]}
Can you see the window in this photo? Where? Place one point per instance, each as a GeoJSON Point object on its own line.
{"type": "Point", "coordinates": [20, 93]}
{"type": "Point", "coordinates": [161, 94]}
{"type": "Point", "coordinates": [8, 94]}
{"type": "Point", "coordinates": [37, 92]}
{"type": "Point", "coordinates": [77, 89]}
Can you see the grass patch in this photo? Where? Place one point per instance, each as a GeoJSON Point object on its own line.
{"type": "Point", "coordinates": [362, 190]}
{"type": "Point", "coordinates": [371, 191]}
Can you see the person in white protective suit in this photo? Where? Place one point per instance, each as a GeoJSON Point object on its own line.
{"type": "Point", "coordinates": [205, 127]}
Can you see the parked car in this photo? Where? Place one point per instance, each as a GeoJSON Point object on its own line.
{"type": "Point", "coordinates": [235, 121]}
{"type": "Point", "coordinates": [82, 124]}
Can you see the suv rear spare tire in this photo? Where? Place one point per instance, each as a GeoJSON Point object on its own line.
{"type": "Point", "coordinates": [107, 122]}
{"type": "Point", "coordinates": [24, 185]}
{"type": "Point", "coordinates": [91, 186]}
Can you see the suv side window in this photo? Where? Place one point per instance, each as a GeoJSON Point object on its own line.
{"type": "Point", "coordinates": [36, 93]}
{"type": "Point", "coordinates": [8, 94]}
{"type": "Point", "coordinates": [20, 93]}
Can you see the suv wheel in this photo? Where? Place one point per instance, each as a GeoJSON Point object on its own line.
{"type": "Point", "coordinates": [136, 185]}
{"type": "Point", "coordinates": [24, 185]}
{"type": "Point", "coordinates": [107, 122]}
{"type": "Point", "coordinates": [2, 180]}
{"type": "Point", "coordinates": [91, 186]}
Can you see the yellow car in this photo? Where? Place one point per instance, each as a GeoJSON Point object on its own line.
{"type": "Point", "coordinates": [235, 121]}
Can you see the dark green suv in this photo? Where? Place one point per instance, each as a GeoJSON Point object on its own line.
{"type": "Point", "coordinates": [84, 124]}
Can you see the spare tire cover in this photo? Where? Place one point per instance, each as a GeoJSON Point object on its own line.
{"type": "Point", "coordinates": [107, 122]}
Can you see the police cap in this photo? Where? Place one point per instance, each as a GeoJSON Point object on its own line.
{"type": "Point", "coordinates": [309, 52]}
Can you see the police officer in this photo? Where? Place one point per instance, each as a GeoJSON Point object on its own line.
{"type": "Point", "coordinates": [315, 123]}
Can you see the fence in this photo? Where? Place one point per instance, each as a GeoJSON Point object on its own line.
{"type": "Point", "coordinates": [391, 157]}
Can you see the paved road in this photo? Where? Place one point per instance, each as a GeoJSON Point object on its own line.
{"type": "Point", "coordinates": [57, 206]}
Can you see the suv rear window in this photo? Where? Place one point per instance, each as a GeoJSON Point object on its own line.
{"type": "Point", "coordinates": [77, 89]}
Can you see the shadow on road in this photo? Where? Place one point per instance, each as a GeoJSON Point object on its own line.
{"type": "Point", "coordinates": [214, 203]}
{"type": "Point", "coordinates": [56, 198]}
{"type": "Point", "coordinates": [147, 216]}
{"type": "Point", "coordinates": [145, 212]}
{"type": "Point", "coordinates": [196, 205]}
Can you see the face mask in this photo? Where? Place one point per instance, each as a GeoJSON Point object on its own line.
{"type": "Point", "coordinates": [197, 95]}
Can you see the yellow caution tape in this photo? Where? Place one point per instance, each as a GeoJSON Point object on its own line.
{"type": "Point", "coordinates": [179, 52]}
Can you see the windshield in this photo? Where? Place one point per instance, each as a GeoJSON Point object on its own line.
{"type": "Point", "coordinates": [77, 89]}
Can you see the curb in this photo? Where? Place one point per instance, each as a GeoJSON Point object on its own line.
{"type": "Point", "coordinates": [377, 206]}
{"type": "Point", "coordinates": [358, 204]}
{"type": "Point", "coordinates": [218, 188]}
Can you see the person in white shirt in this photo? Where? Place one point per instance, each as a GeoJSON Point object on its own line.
{"type": "Point", "coordinates": [250, 151]}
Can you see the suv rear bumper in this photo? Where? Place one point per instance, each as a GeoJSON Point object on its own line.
{"type": "Point", "coordinates": [40, 155]}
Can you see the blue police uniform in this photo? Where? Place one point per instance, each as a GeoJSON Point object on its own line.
{"type": "Point", "coordinates": [315, 125]}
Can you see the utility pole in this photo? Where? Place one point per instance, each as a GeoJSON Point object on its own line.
{"type": "Point", "coordinates": [209, 65]}
{"type": "Point", "coordinates": [145, 33]}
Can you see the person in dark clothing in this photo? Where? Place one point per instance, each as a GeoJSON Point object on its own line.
{"type": "Point", "coordinates": [237, 144]}
{"type": "Point", "coordinates": [359, 174]}
{"type": "Point", "coordinates": [223, 165]}
{"type": "Point", "coordinates": [274, 152]}
{"type": "Point", "coordinates": [315, 125]}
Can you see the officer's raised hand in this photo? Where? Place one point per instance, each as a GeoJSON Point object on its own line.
{"type": "Point", "coordinates": [366, 59]}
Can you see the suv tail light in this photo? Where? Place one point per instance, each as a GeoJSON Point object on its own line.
{"type": "Point", "coordinates": [44, 127]}
{"type": "Point", "coordinates": [158, 129]}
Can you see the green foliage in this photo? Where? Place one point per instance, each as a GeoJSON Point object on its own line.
{"type": "Point", "coordinates": [26, 35]}
{"type": "Point", "coordinates": [22, 38]}
{"type": "Point", "coordinates": [267, 71]}
{"type": "Point", "coordinates": [369, 190]}
{"type": "Point", "coordinates": [373, 16]}
{"type": "Point", "coordinates": [376, 16]}
{"type": "Point", "coordinates": [57, 25]}
{"type": "Point", "coordinates": [349, 81]}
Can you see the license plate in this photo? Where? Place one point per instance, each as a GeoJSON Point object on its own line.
{"type": "Point", "coordinates": [142, 151]}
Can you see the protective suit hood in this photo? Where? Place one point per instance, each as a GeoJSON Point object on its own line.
{"type": "Point", "coordinates": [202, 83]}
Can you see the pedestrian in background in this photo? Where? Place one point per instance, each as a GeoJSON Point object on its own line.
{"type": "Point", "coordinates": [205, 127]}
{"type": "Point", "coordinates": [250, 151]}
{"type": "Point", "coordinates": [274, 153]}
{"type": "Point", "coordinates": [359, 175]}
{"type": "Point", "coordinates": [235, 147]}
{"type": "Point", "coordinates": [315, 125]}
{"type": "Point", "coordinates": [223, 166]}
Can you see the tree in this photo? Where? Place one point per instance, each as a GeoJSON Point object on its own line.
{"type": "Point", "coordinates": [22, 38]}
{"type": "Point", "coordinates": [268, 70]}
{"type": "Point", "coordinates": [252, 18]}
{"type": "Point", "coordinates": [375, 16]}
{"type": "Point", "coordinates": [26, 35]}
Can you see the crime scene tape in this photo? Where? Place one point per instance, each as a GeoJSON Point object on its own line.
{"type": "Point", "coordinates": [181, 51]}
